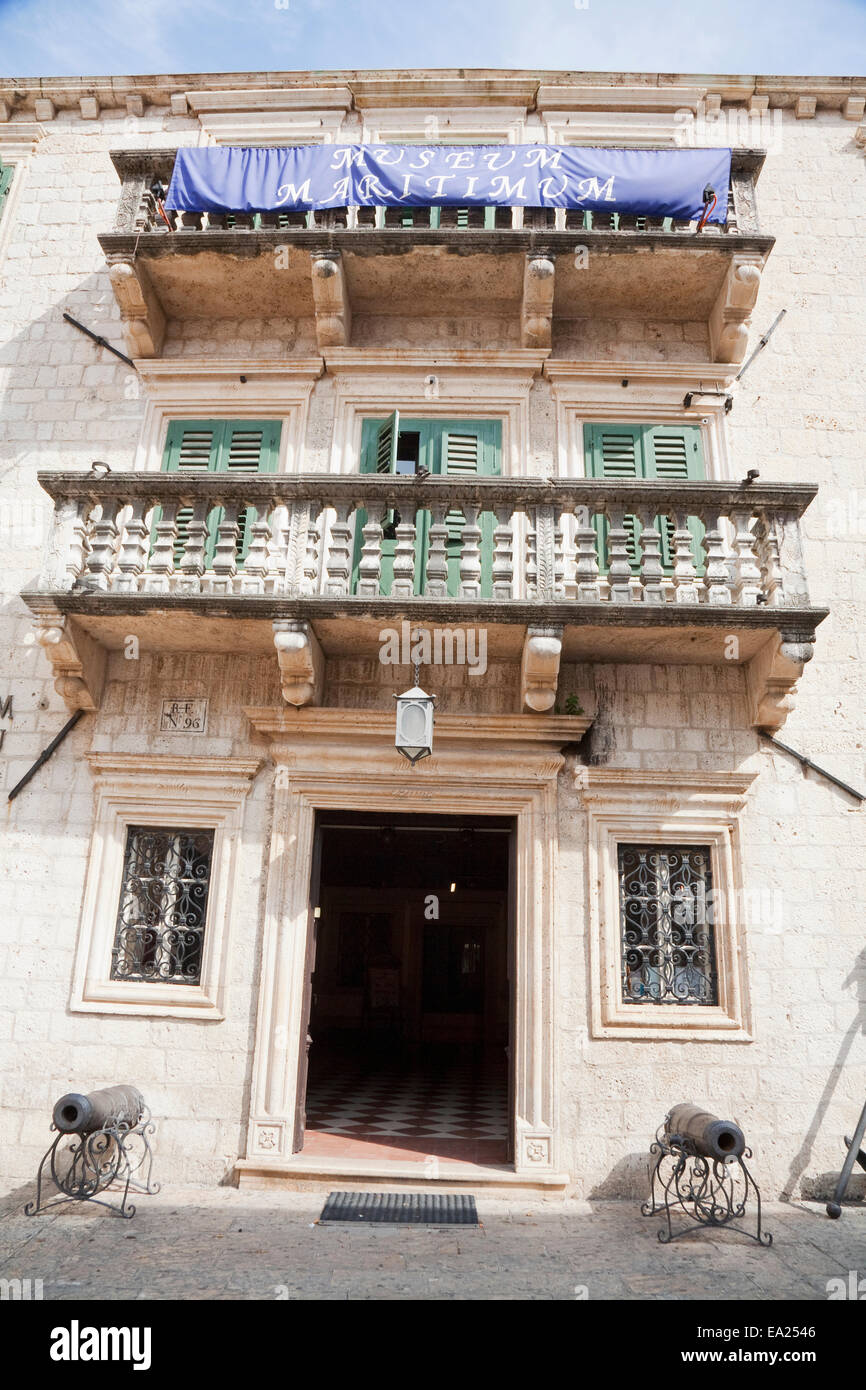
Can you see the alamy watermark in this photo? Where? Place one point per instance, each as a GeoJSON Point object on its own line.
{"type": "Point", "coordinates": [439, 646]}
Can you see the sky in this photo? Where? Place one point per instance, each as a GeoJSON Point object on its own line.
{"type": "Point", "coordinates": [93, 37]}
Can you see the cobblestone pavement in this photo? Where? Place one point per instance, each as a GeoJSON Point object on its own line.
{"type": "Point", "coordinates": [220, 1243]}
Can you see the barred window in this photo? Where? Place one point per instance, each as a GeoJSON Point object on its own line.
{"type": "Point", "coordinates": [668, 942]}
{"type": "Point", "coordinates": [163, 905]}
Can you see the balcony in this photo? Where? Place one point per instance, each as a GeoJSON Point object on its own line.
{"type": "Point", "coordinates": [526, 265]}
{"type": "Point", "coordinates": [314, 566]}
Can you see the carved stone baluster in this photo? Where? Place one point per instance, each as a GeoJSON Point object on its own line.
{"type": "Point", "coordinates": [586, 558]}
{"type": "Point", "coordinates": [558, 557]}
{"type": "Point", "coordinates": [791, 559]}
{"type": "Point", "coordinates": [470, 553]}
{"type": "Point", "coordinates": [543, 553]}
{"type": "Point", "coordinates": [285, 549]}
{"type": "Point", "coordinates": [338, 567]}
{"type": "Point", "coordinates": [68, 542]}
{"type": "Point", "coordinates": [651, 572]}
{"type": "Point", "coordinates": [132, 555]}
{"type": "Point", "coordinates": [619, 566]}
{"type": "Point", "coordinates": [224, 563]}
{"type": "Point", "coordinates": [310, 584]}
{"type": "Point", "coordinates": [532, 554]}
{"type": "Point", "coordinates": [255, 566]}
{"type": "Point", "coordinates": [370, 565]}
{"type": "Point", "coordinates": [193, 560]}
{"type": "Point", "coordinates": [436, 582]}
{"type": "Point", "coordinates": [717, 577]}
{"type": "Point", "coordinates": [78, 517]}
{"type": "Point", "coordinates": [746, 585]}
{"type": "Point", "coordinates": [503, 558]}
{"type": "Point", "coordinates": [685, 573]}
{"type": "Point", "coordinates": [767, 547]}
{"type": "Point", "coordinates": [160, 567]}
{"type": "Point", "coordinates": [103, 547]}
{"type": "Point", "coordinates": [404, 561]}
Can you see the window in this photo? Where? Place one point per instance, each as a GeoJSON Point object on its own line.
{"type": "Point", "coordinates": [461, 448]}
{"type": "Point", "coordinates": [163, 883]}
{"type": "Point", "coordinates": [5, 184]}
{"type": "Point", "coordinates": [163, 905]}
{"type": "Point", "coordinates": [220, 446]}
{"type": "Point", "coordinates": [671, 453]}
{"type": "Point", "coordinates": [668, 947]}
{"type": "Point", "coordinates": [667, 904]}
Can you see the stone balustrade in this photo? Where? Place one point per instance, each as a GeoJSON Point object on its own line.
{"type": "Point", "coordinates": [140, 212]}
{"type": "Point", "coordinates": [325, 536]}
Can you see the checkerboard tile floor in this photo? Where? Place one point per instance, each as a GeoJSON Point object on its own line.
{"type": "Point", "coordinates": [387, 1108]}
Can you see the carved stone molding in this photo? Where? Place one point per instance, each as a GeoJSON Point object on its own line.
{"type": "Point", "coordinates": [731, 313]}
{"type": "Point", "coordinates": [302, 663]}
{"type": "Point", "coordinates": [77, 661]}
{"type": "Point", "coordinates": [536, 315]}
{"type": "Point", "coordinates": [772, 675]}
{"type": "Point", "coordinates": [539, 668]}
{"type": "Point", "coordinates": [331, 298]}
{"type": "Point", "coordinates": [140, 310]}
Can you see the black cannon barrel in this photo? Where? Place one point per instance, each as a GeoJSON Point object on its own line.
{"type": "Point", "coordinates": [710, 1136]}
{"type": "Point", "coordinates": [78, 1114]}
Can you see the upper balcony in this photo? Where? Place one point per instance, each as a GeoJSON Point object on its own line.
{"type": "Point", "coordinates": [527, 266]}
{"type": "Point", "coordinates": [313, 566]}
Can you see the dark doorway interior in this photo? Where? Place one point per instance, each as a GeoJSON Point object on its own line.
{"type": "Point", "coordinates": [410, 1009]}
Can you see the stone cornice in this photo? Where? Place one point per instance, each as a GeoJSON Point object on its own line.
{"type": "Point", "coordinates": [560, 370]}
{"type": "Point", "coordinates": [163, 370]}
{"type": "Point", "coordinates": [519, 361]}
{"type": "Point", "coordinates": [191, 770]}
{"type": "Point", "coordinates": [484, 87]}
{"type": "Point", "coordinates": [307, 723]}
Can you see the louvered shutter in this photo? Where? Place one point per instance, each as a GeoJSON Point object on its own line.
{"type": "Point", "coordinates": [469, 449]}
{"type": "Point", "coordinates": [191, 446]}
{"type": "Point", "coordinates": [615, 451]}
{"type": "Point", "coordinates": [674, 453]}
{"type": "Point", "coordinates": [220, 446]}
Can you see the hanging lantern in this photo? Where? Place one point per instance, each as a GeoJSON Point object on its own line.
{"type": "Point", "coordinates": [414, 724]}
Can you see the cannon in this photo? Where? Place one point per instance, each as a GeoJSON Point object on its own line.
{"type": "Point", "coordinates": [704, 1133]}
{"type": "Point", "coordinates": [101, 1142]}
{"type": "Point", "coordinates": [115, 1107]}
{"type": "Point", "coordinates": [698, 1170]}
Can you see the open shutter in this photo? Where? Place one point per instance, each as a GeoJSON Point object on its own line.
{"type": "Point", "coordinates": [674, 453]}
{"type": "Point", "coordinates": [385, 453]}
{"type": "Point", "coordinates": [379, 440]}
{"type": "Point", "coordinates": [615, 451]}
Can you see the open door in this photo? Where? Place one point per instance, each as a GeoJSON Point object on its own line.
{"type": "Point", "coordinates": [309, 967]}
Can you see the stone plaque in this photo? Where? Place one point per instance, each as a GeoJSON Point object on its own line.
{"type": "Point", "coordinates": [183, 717]}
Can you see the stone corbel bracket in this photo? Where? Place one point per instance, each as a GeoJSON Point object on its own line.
{"type": "Point", "coordinates": [331, 299]}
{"type": "Point", "coordinates": [140, 310]}
{"type": "Point", "coordinates": [539, 668]}
{"type": "Point", "coordinates": [302, 662]}
{"type": "Point", "coordinates": [732, 311]}
{"type": "Point", "coordinates": [772, 675]}
{"type": "Point", "coordinates": [77, 661]}
{"type": "Point", "coordinates": [536, 312]}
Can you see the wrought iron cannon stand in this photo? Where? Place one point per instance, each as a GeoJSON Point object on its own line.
{"type": "Point", "coordinates": [711, 1192]}
{"type": "Point", "coordinates": [118, 1156]}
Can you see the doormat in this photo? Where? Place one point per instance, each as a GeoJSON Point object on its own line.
{"type": "Point", "coordinates": [402, 1208]}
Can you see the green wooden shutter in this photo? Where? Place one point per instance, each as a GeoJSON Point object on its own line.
{"type": "Point", "coordinates": [5, 183]}
{"type": "Point", "coordinates": [467, 449]}
{"type": "Point", "coordinates": [675, 453]}
{"type": "Point", "coordinates": [220, 446]}
{"type": "Point", "coordinates": [667, 452]}
{"type": "Point", "coordinates": [615, 451]}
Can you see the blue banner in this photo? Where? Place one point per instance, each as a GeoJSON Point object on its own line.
{"type": "Point", "coordinates": [651, 183]}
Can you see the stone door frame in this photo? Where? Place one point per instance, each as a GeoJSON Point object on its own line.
{"type": "Point", "coordinates": [332, 759]}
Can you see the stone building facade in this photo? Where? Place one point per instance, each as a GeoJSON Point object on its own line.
{"type": "Point", "coordinates": [228, 663]}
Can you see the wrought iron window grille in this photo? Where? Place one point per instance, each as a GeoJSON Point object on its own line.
{"type": "Point", "coordinates": [163, 905]}
{"type": "Point", "coordinates": [668, 941]}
